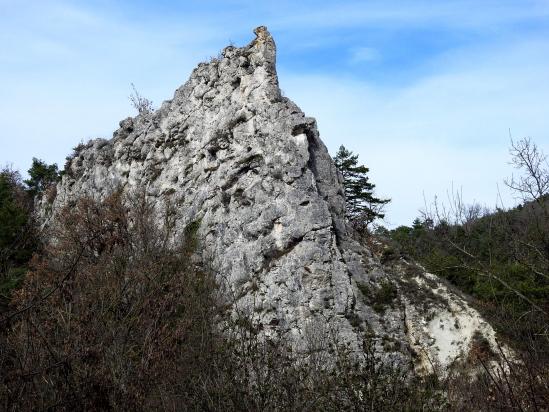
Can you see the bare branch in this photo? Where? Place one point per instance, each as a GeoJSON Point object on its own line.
{"type": "Point", "coordinates": [533, 184]}
{"type": "Point", "coordinates": [140, 103]}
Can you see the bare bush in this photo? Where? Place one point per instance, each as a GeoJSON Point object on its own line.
{"type": "Point", "coordinates": [106, 312]}
{"type": "Point", "coordinates": [116, 316]}
{"type": "Point", "coordinates": [512, 384]}
{"type": "Point", "coordinates": [501, 257]}
{"type": "Point", "coordinates": [533, 183]}
{"type": "Point", "coordinates": [140, 103]}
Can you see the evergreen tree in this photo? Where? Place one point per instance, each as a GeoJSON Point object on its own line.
{"type": "Point", "coordinates": [13, 217]}
{"type": "Point", "coordinates": [362, 207]}
{"type": "Point", "coordinates": [17, 240]}
{"type": "Point", "coordinates": [42, 176]}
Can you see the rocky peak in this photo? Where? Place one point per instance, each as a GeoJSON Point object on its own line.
{"type": "Point", "coordinates": [245, 163]}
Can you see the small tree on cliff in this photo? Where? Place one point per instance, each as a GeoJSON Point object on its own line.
{"type": "Point", "coordinates": [362, 207]}
{"type": "Point", "coordinates": [41, 176]}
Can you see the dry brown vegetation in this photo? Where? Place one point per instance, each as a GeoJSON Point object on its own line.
{"type": "Point", "coordinates": [116, 314]}
{"type": "Point", "coordinates": [104, 312]}
{"type": "Point", "coordinates": [512, 384]}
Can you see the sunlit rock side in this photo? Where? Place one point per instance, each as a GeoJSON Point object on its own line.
{"type": "Point", "coordinates": [246, 165]}
{"type": "Point", "coordinates": [442, 327]}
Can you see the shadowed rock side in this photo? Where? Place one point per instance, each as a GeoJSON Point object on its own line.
{"type": "Point", "coordinates": [242, 160]}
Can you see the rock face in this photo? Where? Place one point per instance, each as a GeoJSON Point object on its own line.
{"type": "Point", "coordinates": [242, 160]}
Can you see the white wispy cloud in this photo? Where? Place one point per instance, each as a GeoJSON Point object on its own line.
{"type": "Point", "coordinates": [364, 54]}
{"type": "Point", "coordinates": [66, 66]}
{"type": "Point", "coordinates": [445, 128]}
{"type": "Point", "coordinates": [65, 73]}
{"type": "Point", "coordinates": [486, 15]}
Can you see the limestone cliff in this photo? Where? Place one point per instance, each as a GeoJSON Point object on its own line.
{"type": "Point", "coordinates": [242, 160]}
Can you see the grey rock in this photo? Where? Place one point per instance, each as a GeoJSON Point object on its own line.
{"type": "Point", "coordinates": [231, 152]}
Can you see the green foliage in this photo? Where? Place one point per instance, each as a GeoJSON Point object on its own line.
{"type": "Point", "coordinates": [487, 259]}
{"type": "Point", "coordinates": [362, 207]}
{"type": "Point", "coordinates": [191, 235]}
{"type": "Point", "coordinates": [387, 293]}
{"type": "Point", "coordinates": [17, 240]}
{"type": "Point", "coordinates": [380, 296]}
{"type": "Point", "coordinates": [384, 296]}
{"type": "Point", "coordinates": [42, 176]}
{"type": "Point", "coordinates": [501, 258]}
{"type": "Point", "coordinates": [68, 160]}
{"type": "Point", "coordinates": [11, 281]}
{"type": "Point", "coordinates": [13, 217]}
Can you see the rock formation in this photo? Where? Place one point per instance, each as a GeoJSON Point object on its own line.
{"type": "Point", "coordinates": [248, 166]}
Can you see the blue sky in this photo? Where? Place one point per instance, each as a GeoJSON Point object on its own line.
{"type": "Point", "coordinates": [425, 92]}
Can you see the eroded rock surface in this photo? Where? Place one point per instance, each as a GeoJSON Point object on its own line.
{"type": "Point", "coordinates": [245, 162]}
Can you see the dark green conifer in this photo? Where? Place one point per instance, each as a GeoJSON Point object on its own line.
{"type": "Point", "coordinates": [41, 175]}
{"type": "Point", "coordinates": [362, 206]}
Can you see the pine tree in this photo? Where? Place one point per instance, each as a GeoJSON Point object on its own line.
{"type": "Point", "coordinates": [361, 206]}
{"type": "Point", "coordinates": [42, 176]}
{"type": "Point", "coordinates": [17, 235]}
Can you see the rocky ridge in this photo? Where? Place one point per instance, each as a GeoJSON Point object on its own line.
{"type": "Point", "coordinates": [247, 167]}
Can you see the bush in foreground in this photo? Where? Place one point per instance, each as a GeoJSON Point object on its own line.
{"type": "Point", "coordinates": [116, 314]}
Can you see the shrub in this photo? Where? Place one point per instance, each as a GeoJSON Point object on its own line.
{"type": "Point", "coordinates": [105, 312]}
{"type": "Point", "coordinates": [143, 105]}
{"type": "Point", "coordinates": [17, 234]}
{"type": "Point", "coordinates": [41, 176]}
{"type": "Point", "coordinates": [114, 315]}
